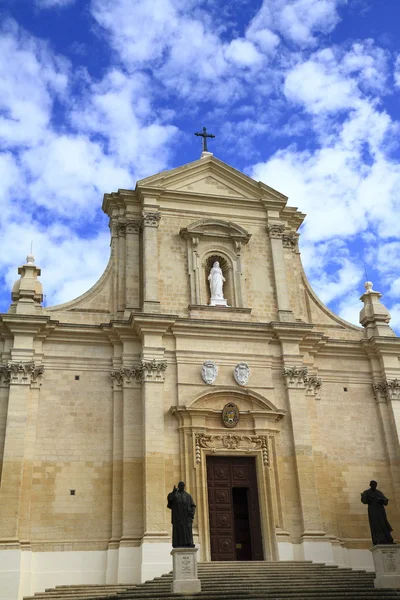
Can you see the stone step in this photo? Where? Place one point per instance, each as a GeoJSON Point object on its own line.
{"type": "Point", "coordinates": [243, 581]}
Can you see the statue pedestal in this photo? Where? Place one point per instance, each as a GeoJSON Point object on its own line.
{"type": "Point", "coordinates": [185, 579]}
{"type": "Point", "coordinates": [387, 565]}
{"type": "Point", "coordinates": [218, 302]}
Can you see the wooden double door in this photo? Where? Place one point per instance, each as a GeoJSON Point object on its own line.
{"type": "Point", "coordinates": [235, 527]}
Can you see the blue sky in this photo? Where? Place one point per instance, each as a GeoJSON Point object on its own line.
{"type": "Point", "coordinates": [301, 94]}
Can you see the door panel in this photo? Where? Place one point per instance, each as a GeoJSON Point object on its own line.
{"type": "Point", "coordinates": [226, 514]}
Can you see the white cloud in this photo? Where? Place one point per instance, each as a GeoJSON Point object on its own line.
{"type": "Point", "coordinates": [397, 71]}
{"type": "Point", "coordinates": [70, 265]}
{"type": "Point", "coordinates": [119, 108]}
{"type": "Point", "coordinates": [181, 46]}
{"type": "Point", "coordinates": [31, 78]}
{"type": "Point", "coordinates": [298, 21]}
{"type": "Point", "coordinates": [53, 177]}
{"type": "Point", "coordinates": [319, 88]}
{"type": "Point", "coordinates": [243, 53]}
{"type": "Point", "coordinates": [54, 3]}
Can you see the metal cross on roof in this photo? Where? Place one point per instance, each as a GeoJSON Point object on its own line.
{"type": "Point", "coordinates": [205, 135]}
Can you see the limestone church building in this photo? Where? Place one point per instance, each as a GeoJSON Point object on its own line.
{"type": "Point", "coordinates": [274, 411]}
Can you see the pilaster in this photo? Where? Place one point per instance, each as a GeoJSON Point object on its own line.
{"type": "Point", "coordinates": [275, 232]}
{"type": "Point", "coordinates": [152, 371]}
{"type": "Point", "coordinates": [22, 373]}
{"type": "Point", "coordinates": [296, 381]}
{"type": "Point", "coordinates": [150, 223]}
{"type": "Point", "coordinates": [132, 265]}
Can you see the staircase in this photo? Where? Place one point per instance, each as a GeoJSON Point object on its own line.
{"type": "Point", "coordinates": [243, 581]}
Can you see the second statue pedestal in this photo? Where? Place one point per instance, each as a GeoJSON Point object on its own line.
{"type": "Point", "coordinates": [185, 579]}
{"type": "Point", "coordinates": [387, 566]}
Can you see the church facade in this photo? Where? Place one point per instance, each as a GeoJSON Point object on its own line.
{"type": "Point", "coordinates": [274, 411]}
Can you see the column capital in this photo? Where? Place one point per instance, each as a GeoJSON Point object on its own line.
{"type": "Point", "coordinates": [21, 373]}
{"type": "Point", "coordinates": [150, 219]}
{"type": "Point", "coordinates": [275, 231]}
{"type": "Point", "coordinates": [124, 375]}
{"type": "Point", "coordinates": [386, 390]}
{"type": "Point", "coordinates": [290, 240]}
{"type": "Point", "coordinates": [133, 225]}
{"type": "Point", "coordinates": [295, 377]}
{"type": "Point", "coordinates": [153, 370]}
{"type": "Point", "coordinates": [120, 229]}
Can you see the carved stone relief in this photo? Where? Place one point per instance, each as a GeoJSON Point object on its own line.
{"type": "Point", "coordinates": [242, 443]}
{"type": "Point", "coordinates": [241, 373]}
{"type": "Point", "coordinates": [209, 372]}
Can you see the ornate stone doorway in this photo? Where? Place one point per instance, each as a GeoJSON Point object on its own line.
{"type": "Point", "coordinates": [234, 514]}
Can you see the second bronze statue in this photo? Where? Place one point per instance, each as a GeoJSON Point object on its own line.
{"type": "Point", "coordinates": [182, 515]}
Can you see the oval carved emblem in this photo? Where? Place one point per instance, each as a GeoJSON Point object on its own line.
{"type": "Point", "coordinates": [230, 415]}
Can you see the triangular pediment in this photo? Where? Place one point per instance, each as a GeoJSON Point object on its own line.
{"type": "Point", "coordinates": [211, 177]}
{"type": "Point", "coordinates": [208, 184]}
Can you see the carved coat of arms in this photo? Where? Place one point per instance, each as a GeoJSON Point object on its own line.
{"type": "Point", "coordinates": [209, 372]}
{"type": "Point", "coordinates": [241, 373]}
{"type": "Point", "coordinates": [230, 415]}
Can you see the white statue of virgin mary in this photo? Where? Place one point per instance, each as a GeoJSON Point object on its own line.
{"type": "Point", "coordinates": [216, 280]}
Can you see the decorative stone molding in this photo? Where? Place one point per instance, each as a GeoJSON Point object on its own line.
{"type": "Point", "coordinates": [125, 375]}
{"type": "Point", "coordinates": [295, 377]}
{"type": "Point", "coordinates": [18, 372]}
{"type": "Point", "coordinates": [241, 373]}
{"type": "Point", "coordinates": [209, 371]}
{"type": "Point", "coordinates": [150, 219]}
{"type": "Point", "coordinates": [133, 226]}
{"type": "Point", "coordinates": [290, 240]}
{"type": "Point", "coordinates": [153, 370]}
{"type": "Point", "coordinates": [386, 390]}
{"type": "Point", "coordinates": [242, 443]}
{"type": "Point", "coordinates": [276, 231]}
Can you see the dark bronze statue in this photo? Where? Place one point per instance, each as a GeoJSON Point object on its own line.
{"type": "Point", "coordinates": [182, 515]}
{"type": "Point", "coordinates": [380, 526]}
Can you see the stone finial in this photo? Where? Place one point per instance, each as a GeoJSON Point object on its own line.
{"type": "Point", "coordinates": [27, 293]}
{"type": "Point", "coordinates": [374, 316]}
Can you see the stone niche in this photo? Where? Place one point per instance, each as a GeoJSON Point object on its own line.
{"type": "Point", "coordinates": [209, 240]}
